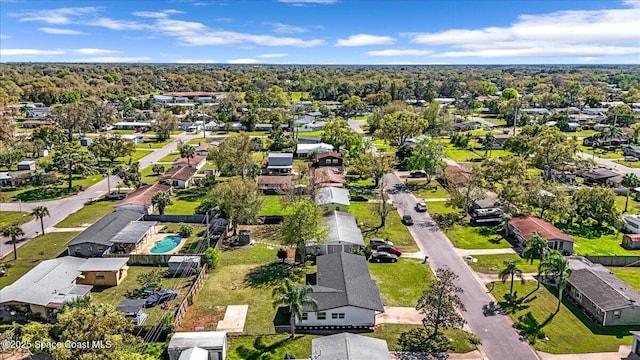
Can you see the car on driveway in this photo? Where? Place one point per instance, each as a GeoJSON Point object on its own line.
{"type": "Point", "coordinates": [407, 220]}
{"type": "Point", "coordinates": [383, 257]}
{"type": "Point", "coordinates": [160, 297]}
{"type": "Point", "coordinates": [359, 198]}
{"type": "Point", "coordinates": [389, 249]}
{"type": "Point", "coordinates": [417, 174]}
{"type": "Point", "coordinates": [421, 207]}
{"type": "Point", "coordinates": [470, 259]}
{"type": "Point", "coordinates": [375, 242]}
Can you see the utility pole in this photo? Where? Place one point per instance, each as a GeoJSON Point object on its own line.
{"type": "Point", "coordinates": [515, 119]}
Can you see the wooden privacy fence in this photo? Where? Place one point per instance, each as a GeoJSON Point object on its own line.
{"type": "Point", "coordinates": [181, 312]}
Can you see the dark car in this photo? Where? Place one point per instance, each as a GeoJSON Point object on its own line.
{"type": "Point", "coordinates": [417, 174]}
{"type": "Point", "coordinates": [389, 249]}
{"type": "Point", "coordinates": [160, 297]}
{"type": "Point", "coordinates": [407, 220]}
{"type": "Point", "coordinates": [359, 198]}
{"type": "Point", "coordinates": [375, 242]}
{"type": "Point", "coordinates": [383, 257]}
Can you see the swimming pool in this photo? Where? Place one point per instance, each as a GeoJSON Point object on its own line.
{"type": "Point", "coordinates": [166, 244]}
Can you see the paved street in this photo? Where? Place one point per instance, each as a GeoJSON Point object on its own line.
{"type": "Point", "coordinates": [499, 339]}
{"type": "Point", "coordinates": [61, 208]}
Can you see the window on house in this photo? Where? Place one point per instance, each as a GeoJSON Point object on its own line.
{"type": "Point", "coordinates": [334, 161]}
{"type": "Point", "coordinates": [99, 276]}
{"type": "Point", "coordinates": [305, 316]}
{"type": "Point", "coordinates": [337, 316]}
{"type": "Point", "coordinates": [321, 316]}
{"type": "Point", "coordinates": [616, 314]}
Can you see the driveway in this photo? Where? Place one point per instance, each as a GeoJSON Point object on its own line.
{"type": "Point", "coordinates": [499, 339]}
{"type": "Point", "coordinates": [355, 125]}
{"type": "Point", "coordinates": [60, 209]}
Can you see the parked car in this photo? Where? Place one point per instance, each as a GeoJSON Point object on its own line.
{"type": "Point", "coordinates": [470, 259]}
{"type": "Point", "coordinates": [375, 242]}
{"type": "Point", "coordinates": [115, 195]}
{"type": "Point", "coordinates": [630, 158]}
{"type": "Point", "coordinates": [160, 297]}
{"type": "Point", "coordinates": [407, 220]}
{"type": "Point", "coordinates": [421, 207]}
{"type": "Point", "coordinates": [359, 198]}
{"type": "Point", "coordinates": [389, 249]}
{"type": "Point", "coordinates": [417, 174]}
{"type": "Point", "coordinates": [383, 257]}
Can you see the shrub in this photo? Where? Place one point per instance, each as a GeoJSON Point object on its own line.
{"type": "Point", "coordinates": [211, 257]}
{"type": "Point", "coordinates": [185, 230]}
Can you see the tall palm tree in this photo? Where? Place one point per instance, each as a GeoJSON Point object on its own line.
{"type": "Point", "coordinates": [295, 298]}
{"type": "Point", "coordinates": [613, 132]}
{"type": "Point", "coordinates": [39, 212]}
{"type": "Point", "coordinates": [14, 232]}
{"type": "Point", "coordinates": [487, 143]}
{"type": "Point", "coordinates": [510, 270]}
{"type": "Point", "coordinates": [187, 151]}
{"type": "Point", "coordinates": [536, 248]}
{"type": "Point", "coordinates": [630, 181]}
{"type": "Point", "coordinates": [160, 201]}
{"type": "Point", "coordinates": [557, 266]}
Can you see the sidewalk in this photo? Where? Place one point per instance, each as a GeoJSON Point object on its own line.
{"type": "Point", "coordinates": [623, 353]}
{"type": "Point", "coordinates": [465, 252]}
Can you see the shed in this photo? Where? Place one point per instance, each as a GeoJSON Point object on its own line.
{"type": "Point", "coordinates": [27, 165]}
{"type": "Point", "coordinates": [631, 241]}
{"type": "Point", "coordinates": [183, 265]}
{"type": "Point", "coordinates": [214, 342]}
{"type": "Point", "coordinates": [132, 309]}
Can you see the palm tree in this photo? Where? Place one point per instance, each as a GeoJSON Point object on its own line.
{"type": "Point", "coordinates": [510, 270]}
{"type": "Point", "coordinates": [161, 200]}
{"type": "Point", "coordinates": [630, 181]}
{"type": "Point", "coordinates": [295, 298]}
{"type": "Point", "coordinates": [14, 232]}
{"type": "Point", "coordinates": [487, 143]}
{"type": "Point", "coordinates": [613, 132]}
{"type": "Point", "coordinates": [187, 151]}
{"type": "Point", "coordinates": [557, 266]}
{"type": "Point", "coordinates": [157, 169]}
{"type": "Point", "coordinates": [39, 212]}
{"type": "Point", "coordinates": [536, 248]}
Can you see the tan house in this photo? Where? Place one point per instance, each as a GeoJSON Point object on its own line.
{"type": "Point", "coordinates": [523, 228]}
{"type": "Point", "coordinates": [103, 271]}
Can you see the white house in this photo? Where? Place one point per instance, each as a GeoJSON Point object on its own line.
{"type": "Point", "coordinates": [131, 125]}
{"type": "Point", "coordinates": [332, 198]}
{"type": "Point", "coordinates": [305, 150]}
{"type": "Point", "coordinates": [314, 126]}
{"type": "Point", "coordinates": [344, 233]}
{"type": "Point", "coordinates": [346, 295]}
{"type": "Point", "coordinates": [632, 223]}
{"type": "Point", "coordinates": [136, 138]}
{"type": "Point", "coordinates": [194, 345]}
{"type": "Point", "coordinates": [523, 228]}
{"type": "Point", "coordinates": [179, 177]}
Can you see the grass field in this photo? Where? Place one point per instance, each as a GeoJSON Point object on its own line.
{"type": "Point", "coordinates": [440, 207]}
{"type": "Point", "coordinates": [170, 158]}
{"type": "Point", "coordinates": [493, 264]}
{"type": "Point", "coordinates": [87, 215]}
{"type": "Point", "coordinates": [39, 193]}
{"type": "Point", "coordinates": [401, 283]}
{"type": "Point", "coordinates": [476, 237]}
{"type": "Point", "coordinates": [603, 245]}
{"type": "Point", "coordinates": [630, 275]}
{"type": "Point", "coordinates": [569, 332]}
{"type": "Point", "coordinates": [273, 206]}
{"type": "Point", "coordinates": [394, 230]}
{"type": "Point", "coordinates": [431, 191]}
{"type": "Point", "coordinates": [318, 133]}
{"type": "Point", "coordinates": [13, 217]}
{"type": "Point", "coordinates": [44, 247]}
{"type": "Point", "coordinates": [634, 206]}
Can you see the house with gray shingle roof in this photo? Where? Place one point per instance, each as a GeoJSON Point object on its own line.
{"type": "Point", "coordinates": [606, 299]}
{"type": "Point", "coordinates": [347, 297]}
{"type": "Point", "coordinates": [349, 346]}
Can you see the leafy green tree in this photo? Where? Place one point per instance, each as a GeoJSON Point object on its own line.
{"type": "Point", "coordinates": [130, 174]}
{"type": "Point", "coordinates": [487, 143]}
{"type": "Point", "coordinates": [111, 148]}
{"type": "Point", "coordinates": [72, 118]}
{"type": "Point", "coordinates": [510, 93]}
{"type": "Point", "coordinates": [187, 151]}
{"type": "Point", "coordinates": [488, 88]}
{"type": "Point", "coordinates": [51, 136]}
{"type": "Point", "coordinates": [427, 156]}
{"type": "Point", "coordinates": [160, 201]}
{"type": "Point", "coordinates": [510, 270]}
{"type": "Point", "coordinates": [13, 232]}
{"type": "Point", "coordinates": [157, 169]}
{"type": "Point", "coordinates": [621, 114]}
{"type": "Point", "coordinates": [240, 200]}
{"type": "Point", "coordinates": [400, 126]}
{"type": "Point", "coordinates": [211, 257]}
{"type": "Point", "coordinates": [597, 203]}
{"type": "Point", "coordinates": [10, 156]}
{"type": "Point", "coordinates": [536, 248]}
{"type": "Point", "coordinates": [185, 230]}
{"type": "Point", "coordinates": [373, 166]}
{"type": "Point", "coordinates": [295, 298]}
{"type": "Point", "coordinates": [69, 159]}
{"type": "Point", "coordinates": [631, 96]}
{"type": "Point", "coordinates": [592, 96]}
{"type": "Point", "coordinates": [39, 212]}
{"type": "Point", "coordinates": [150, 279]}
{"type": "Point", "coordinates": [353, 105]}
{"type": "Point", "coordinates": [233, 156]}
{"type": "Point", "coordinates": [165, 124]}
{"type": "Point", "coordinates": [339, 134]}
{"type": "Point", "coordinates": [303, 224]}
{"type": "Point", "coordinates": [556, 266]}
{"type": "Point", "coordinates": [630, 181]}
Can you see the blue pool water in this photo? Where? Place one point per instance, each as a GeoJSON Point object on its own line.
{"type": "Point", "coordinates": [168, 243]}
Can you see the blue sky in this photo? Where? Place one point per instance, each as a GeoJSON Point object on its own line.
{"type": "Point", "coordinates": [322, 31]}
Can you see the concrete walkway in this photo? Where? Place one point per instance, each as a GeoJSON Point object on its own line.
{"type": "Point", "coordinates": [465, 252]}
{"type": "Point", "coordinates": [399, 315]}
{"type": "Point", "coordinates": [234, 319]}
{"type": "Point", "coordinates": [53, 229]}
{"type": "Point", "coordinates": [622, 353]}
{"type": "Point", "coordinates": [487, 278]}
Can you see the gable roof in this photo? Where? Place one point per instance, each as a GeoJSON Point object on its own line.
{"type": "Point", "coordinates": [343, 229]}
{"type": "Point", "coordinates": [103, 230]}
{"type": "Point", "coordinates": [601, 286]}
{"type": "Point", "coordinates": [325, 154]}
{"type": "Point", "coordinates": [343, 280]}
{"type": "Point", "coordinates": [192, 161]}
{"type": "Point", "coordinates": [283, 181]}
{"type": "Point", "coordinates": [528, 225]}
{"type": "Point", "coordinates": [179, 173]}
{"type": "Point", "coordinates": [131, 306]}
{"type": "Point", "coordinates": [332, 195]}
{"type": "Point", "coordinates": [347, 346]}
{"type": "Point", "coordinates": [143, 195]}
{"type": "Point", "coordinates": [280, 160]}
{"type": "Point", "coordinates": [309, 148]}
{"type": "Point", "coordinates": [50, 283]}
{"type": "Point", "coordinates": [328, 175]}
{"type": "Point", "coordinates": [600, 173]}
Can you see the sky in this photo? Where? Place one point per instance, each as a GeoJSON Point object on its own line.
{"type": "Point", "coordinates": [321, 31]}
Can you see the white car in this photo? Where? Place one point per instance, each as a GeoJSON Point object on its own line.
{"type": "Point", "coordinates": [470, 259]}
{"type": "Point", "coordinates": [421, 207]}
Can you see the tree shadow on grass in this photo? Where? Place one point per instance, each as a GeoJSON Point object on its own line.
{"type": "Point", "coordinates": [273, 274]}
{"type": "Point", "coordinates": [263, 350]}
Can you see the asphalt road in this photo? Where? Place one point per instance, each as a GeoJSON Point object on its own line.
{"type": "Point", "coordinates": [60, 209]}
{"type": "Point", "coordinates": [499, 340]}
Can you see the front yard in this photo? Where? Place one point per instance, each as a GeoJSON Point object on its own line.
{"type": "Point", "coordinates": [393, 230]}
{"type": "Point", "coordinates": [433, 190]}
{"type": "Point", "coordinates": [13, 217]}
{"type": "Point", "coordinates": [401, 283]}
{"type": "Point", "coordinates": [476, 237]}
{"type": "Point", "coordinates": [493, 264]}
{"type": "Point", "coordinates": [88, 215]}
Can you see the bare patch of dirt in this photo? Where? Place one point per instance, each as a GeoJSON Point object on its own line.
{"type": "Point", "coordinates": [209, 322]}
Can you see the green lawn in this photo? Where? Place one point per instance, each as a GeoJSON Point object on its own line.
{"type": "Point", "coordinates": [88, 214]}
{"type": "Point", "coordinates": [634, 164]}
{"type": "Point", "coordinates": [355, 182]}
{"type": "Point", "coordinates": [44, 247]}
{"type": "Point", "coordinates": [272, 206]}
{"type": "Point", "coordinates": [137, 155]}
{"type": "Point", "coordinates": [181, 207]}
{"type": "Point", "coordinates": [634, 206]}
{"type": "Point", "coordinates": [170, 158]}
{"type": "Point", "coordinates": [384, 146]}
{"type": "Point", "coordinates": [460, 155]}
{"type": "Point", "coordinates": [583, 133]}
{"type": "Point", "coordinates": [40, 193]}
{"type": "Point", "coordinates": [401, 283]}
{"type": "Point", "coordinates": [147, 176]}
{"type": "Point", "coordinates": [569, 331]}
{"type": "Point", "coordinates": [461, 340]}
{"type": "Point", "coordinates": [13, 217]}
{"type": "Point", "coordinates": [151, 143]}
{"type": "Point", "coordinates": [476, 237]}
{"type": "Point", "coordinates": [492, 264]}
{"type": "Point", "coordinates": [440, 207]}
{"type": "Point", "coordinates": [311, 133]}
{"type": "Point", "coordinates": [601, 153]}
{"type": "Point", "coordinates": [432, 191]}
{"type": "Point", "coordinates": [394, 230]}
{"type": "Point", "coordinates": [603, 245]}
{"type": "Point", "coordinates": [630, 275]}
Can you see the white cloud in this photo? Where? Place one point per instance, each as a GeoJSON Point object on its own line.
{"type": "Point", "coordinates": [56, 16]}
{"type": "Point", "coordinates": [308, 1]}
{"type": "Point", "coordinates": [157, 14]}
{"type": "Point", "coordinates": [196, 61]}
{"type": "Point", "coordinates": [399, 52]}
{"type": "Point", "coordinates": [113, 59]}
{"type": "Point", "coordinates": [243, 61]}
{"type": "Point", "coordinates": [590, 58]}
{"type": "Point", "coordinates": [272, 56]}
{"type": "Point", "coordinates": [365, 40]}
{"type": "Point", "coordinates": [117, 24]}
{"type": "Point", "coordinates": [286, 29]}
{"type": "Point", "coordinates": [632, 3]}
{"type": "Point", "coordinates": [92, 51]}
{"type": "Point", "coordinates": [58, 31]}
{"type": "Point", "coordinates": [542, 50]}
{"type": "Point", "coordinates": [21, 52]}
